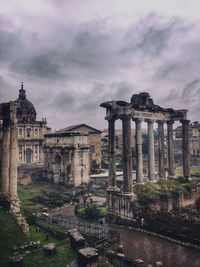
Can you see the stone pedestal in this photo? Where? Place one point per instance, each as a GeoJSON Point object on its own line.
{"type": "Point", "coordinates": [87, 257]}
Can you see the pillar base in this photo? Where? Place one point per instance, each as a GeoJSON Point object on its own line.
{"type": "Point", "coordinates": [162, 179]}
{"type": "Point", "coordinates": [113, 189]}
{"type": "Point", "coordinates": [171, 177]}
{"type": "Point", "coordinates": [128, 194]}
{"type": "Point", "coordinates": [153, 181]}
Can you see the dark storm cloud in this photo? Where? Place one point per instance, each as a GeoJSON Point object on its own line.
{"type": "Point", "coordinates": [43, 66]}
{"type": "Point", "coordinates": [151, 35]}
{"type": "Point", "coordinates": [10, 41]}
{"type": "Point", "coordinates": [88, 53]}
{"type": "Point", "coordinates": [187, 97]}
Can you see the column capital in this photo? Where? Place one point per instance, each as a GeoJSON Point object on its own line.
{"type": "Point", "coordinates": [170, 122]}
{"type": "Point", "coordinates": [113, 118]}
{"type": "Point", "coordinates": [138, 120]}
{"type": "Point", "coordinates": [149, 121]}
{"type": "Point", "coordinates": [160, 122]}
{"type": "Point", "coordinates": [125, 117]}
{"type": "Point", "coordinates": [185, 121]}
{"type": "Point", "coordinates": [6, 123]}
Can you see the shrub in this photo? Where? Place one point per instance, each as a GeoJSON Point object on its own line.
{"type": "Point", "coordinates": [92, 212]}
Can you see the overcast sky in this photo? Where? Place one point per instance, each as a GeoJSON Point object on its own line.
{"type": "Point", "coordinates": [74, 54]}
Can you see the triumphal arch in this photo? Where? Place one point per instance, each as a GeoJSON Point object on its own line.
{"type": "Point", "coordinates": [142, 109]}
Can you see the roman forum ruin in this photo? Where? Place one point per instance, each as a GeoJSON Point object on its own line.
{"type": "Point", "coordinates": [9, 161]}
{"type": "Point", "coordinates": [141, 108]}
{"type": "Point", "coordinates": [8, 114]}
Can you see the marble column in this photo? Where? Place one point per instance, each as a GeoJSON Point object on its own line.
{"type": "Point", "coordinates": [161, 150]}
{"type": "Point", "coordinates": [151, 152]}
{"type": "Point", "coordinates": [5, 157]}
{"type": "Point", "coordinates": [111, 155]}
{"type": "Point", "coordinates": [139, 159]}
{"type": "Point", "coordinates": [13, 155]}
{"type": "Point", "coordinates": [127, 156]}
{"type": "Point", "coordinates": [170, 141]}
{"type": "Point", "coordinates": [186, 148]}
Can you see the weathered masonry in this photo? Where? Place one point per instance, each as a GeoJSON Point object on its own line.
{"type": "Point", "coordinates": [141, 108]}
{"type": "Point", "coordinates": [9, 160]}
{"type": "Point", "coordinates": [66, 157]}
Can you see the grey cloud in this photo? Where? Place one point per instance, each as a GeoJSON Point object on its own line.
{"type": "Point", "coordinates": [43, 66]}
{"type": "Point", "coordinates": [151, 35]}
{"type": "Point", "coordinates": [187, 97]}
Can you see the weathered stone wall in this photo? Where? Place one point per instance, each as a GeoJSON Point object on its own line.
{"type": "Point", "coordinates": [30, 139]}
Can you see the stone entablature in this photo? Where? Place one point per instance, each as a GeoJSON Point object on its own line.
{"type": "Point", "coordinates": [66, 158]}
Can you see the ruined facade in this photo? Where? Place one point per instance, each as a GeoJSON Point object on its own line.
{"type": "Point", "coordinates": [30, 131]}
{"type": "Point", "coordinates": [141, 108]}
{"type": "Point", "coordinates": [66, 158]}
{"type": "Point", "coordinates": [194, 139]}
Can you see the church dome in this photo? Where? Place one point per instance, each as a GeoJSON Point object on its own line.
{"type": "Point", "coordinates": [26, 111]}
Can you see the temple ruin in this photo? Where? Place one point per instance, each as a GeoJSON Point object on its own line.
{"type": "Point", "coordinates": [142, 108]}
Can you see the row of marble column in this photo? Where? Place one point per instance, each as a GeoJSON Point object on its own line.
{"type": "Point", "coordinates": [127, 153]}
{"type": "Point", "coordinates": [9, 158]}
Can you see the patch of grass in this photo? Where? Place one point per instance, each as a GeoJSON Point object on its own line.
{"type": "Point", "coordinates": [193, 170]}
{"type": "Point", "coordinates": [10, 234]}
{"type": "Point", "coordinates": [41, 236]}
{"type": "Point", "coordinates": [64, 256]}
{"type": "Point", "coordinates": [53, 227]}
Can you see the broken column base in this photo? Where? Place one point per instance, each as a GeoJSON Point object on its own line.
{"type": "Point", "coordinates": [13, 205]}
{"type": "Point", "coordinates": [16, 214]}
{"type": "Point", "coordinates": [87, 257]}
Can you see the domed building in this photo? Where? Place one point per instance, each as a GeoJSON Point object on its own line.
{"type": "Point", "coordinates": [30, 131]}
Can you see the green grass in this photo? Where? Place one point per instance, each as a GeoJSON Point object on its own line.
{"type": "Point", "coordinates": [41, 236]}
{"type": "Point", "coordinates": [28, 193]}
{"type": "Point", "coordinates": [193, 170]}
{"type": "Point", "coordinates": [63, 257]}
{"type": "Point", "coordinates": [10, 234]}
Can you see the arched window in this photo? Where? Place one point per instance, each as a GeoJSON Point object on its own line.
{"type": "Point", "coordinates": [28, 132]}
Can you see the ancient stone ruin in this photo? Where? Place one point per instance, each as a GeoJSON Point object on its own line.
{"type": "Point", "coordinates": [141, 108]}
{"type": "Point", "coordinates": [9, 161]}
